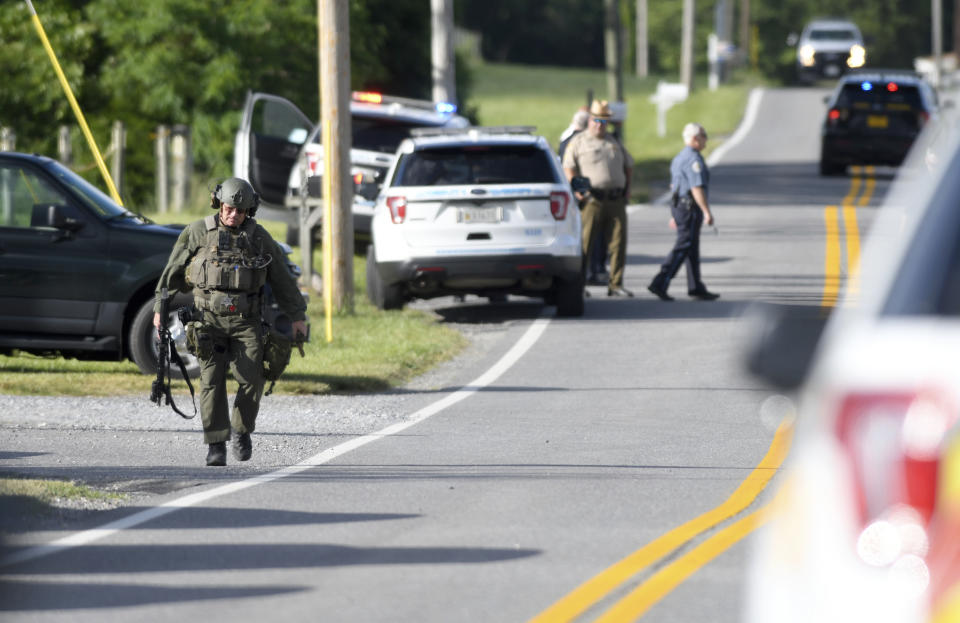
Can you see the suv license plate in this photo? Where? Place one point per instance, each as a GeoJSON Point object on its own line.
{"type": "Point", "coordinates": [877, 121]}
{"type": "Point", "coordinates": [479, 215]}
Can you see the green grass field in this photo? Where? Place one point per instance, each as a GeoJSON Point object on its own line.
{"type": "Point", "coordinates": [547, 97]}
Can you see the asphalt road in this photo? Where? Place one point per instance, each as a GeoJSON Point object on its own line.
{"type": "Point", "coordinates": [544, 458]}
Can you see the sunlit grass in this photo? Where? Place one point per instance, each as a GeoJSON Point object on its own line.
{"type": "Point", "coordinates": [547, 97]}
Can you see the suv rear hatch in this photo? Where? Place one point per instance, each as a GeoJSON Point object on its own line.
{"type": "Point", "coordinates": [884, 107]}
{"type": "Point", "coordinates": [478, 198]}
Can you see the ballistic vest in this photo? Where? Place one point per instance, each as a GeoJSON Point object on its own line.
{"type": "Point", "coordinates": [228, 270]}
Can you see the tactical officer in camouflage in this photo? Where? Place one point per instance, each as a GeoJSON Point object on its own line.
{"type": "Point", "coordinates": [225, 260]}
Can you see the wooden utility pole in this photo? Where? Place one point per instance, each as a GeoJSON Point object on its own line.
{"type": "Point", "coordinates": [686, 46]}
{"type": "Point", "coordinates": [744, 38]}
{"type": "Point", "coordinates": [643, 63]}
{"type": "Point", "coordinates": [612, 51]}
{"type": "Point", "coordinates": [444, 65]}
{"type": "Point", "coordinates": [334, 24]}
{"type": "Point", "coordinates": [936, 26]}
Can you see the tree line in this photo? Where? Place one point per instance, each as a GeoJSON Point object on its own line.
{"type": "Point", "coordinates": [191, 62]}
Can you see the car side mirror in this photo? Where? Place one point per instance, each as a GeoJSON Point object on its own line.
{"type": "Point", "coordinates": [54, 215]}
{"type": "Point", "coordinates": [792, 39]}
{"type": "Point", "coordinates": [367, 190]}
{"type": "Point", "coordinates": [782, 341]}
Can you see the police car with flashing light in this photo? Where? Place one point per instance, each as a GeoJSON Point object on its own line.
{"type": "Point", "coordinates": [873, 117]}
{"type": "Point", "coordinates": [277, 147]}
{"type": "Point", "coordinates": [483, 211]}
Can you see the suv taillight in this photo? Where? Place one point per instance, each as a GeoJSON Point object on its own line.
{"type": "Point", "coordinates": [559, 201]}
{"type": "Point", "coordinates": [893, 444]}
{"type": "Point", "coordinates": [398, 208]}
{"type": "Point", "coordinates": [833, 116]}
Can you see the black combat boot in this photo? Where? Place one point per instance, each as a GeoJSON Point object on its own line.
{"type": "Point", "coordinates": [242, 447]}
{"type": "Point", "coordinates": [217, 454]}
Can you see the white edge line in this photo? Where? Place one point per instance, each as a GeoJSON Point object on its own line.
{"type": "Point", "coordinates": [749, 118]}
{"type": "Point", "coordinates": [526, 341]}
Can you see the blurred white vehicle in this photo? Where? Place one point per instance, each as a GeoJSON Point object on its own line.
{"type": "Point", "coordinates": [867, 526]}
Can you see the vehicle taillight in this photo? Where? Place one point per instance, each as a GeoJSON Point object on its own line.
{"type": "Point", "coordinates": [357, 179]}
{"type": "Point", "coordinates": [314, 156]}
{"type": "Point", "coordinates": [398, 208]}
{"type": "Point", "coordinates": [833, 115]}
{"type": "Point", "coordinates": [559, 200]}
{"type": "Point", "coordinates": [893, 442]}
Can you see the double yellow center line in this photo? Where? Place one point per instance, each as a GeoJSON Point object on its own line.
{"type": "Point", "coordinates": [839, 221]}
{"type": "Point", "coordinates": [659, 584]}
{"type": "Point", "coordinates": [862, 184]}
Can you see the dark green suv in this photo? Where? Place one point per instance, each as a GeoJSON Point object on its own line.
{"type": "Point", "coordinates": [77, 271]}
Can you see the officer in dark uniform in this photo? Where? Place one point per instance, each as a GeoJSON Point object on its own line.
{"type": "Point", "coordinates": [225, 260]}
{"type": "Point", "coordinates": [690, 209]}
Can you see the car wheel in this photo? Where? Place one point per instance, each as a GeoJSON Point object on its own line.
{"type": "Point", "coordinates": [143, 343]}
{"type": "Point", "coordinates": [383, 296]}
{"type": "Point", "coordinates": [569, 297]}
{"type": "Point", "coordinates": [828, 168]}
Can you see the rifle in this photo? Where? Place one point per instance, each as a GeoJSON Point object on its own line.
{"type": "Point", "coordinates": [167, 352]}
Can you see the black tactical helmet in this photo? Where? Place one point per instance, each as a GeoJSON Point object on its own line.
{"type": "Point", "coordinates": [238, 193]}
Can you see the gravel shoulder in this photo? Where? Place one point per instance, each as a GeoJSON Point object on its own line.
{"type": "Point", "coordinates": [127, 445]}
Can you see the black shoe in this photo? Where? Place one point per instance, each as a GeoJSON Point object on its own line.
{"type": "Point", "coordinates": [217, 454]}
{"type": "Point", "coordinates": [704, 295]}
{"type": "Point", "coordinates": [598, 279]}
{"type": "Point", "coordinates": [619, 291]}
{"type": "Point", "coordinates": [242, 447]}
{"type": "Point", "coordinates": [659, 292]}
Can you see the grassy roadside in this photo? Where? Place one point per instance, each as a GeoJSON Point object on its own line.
{"type": "Point", "coordinates": [371, 350]}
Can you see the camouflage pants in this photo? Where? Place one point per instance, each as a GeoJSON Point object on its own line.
{"type": "Point", "coordinates": [237, 345]}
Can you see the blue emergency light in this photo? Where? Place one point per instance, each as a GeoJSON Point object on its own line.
{"type": "Point", "coordinates": [446, 108]}
{"type": "Point", "coordinates": [866, 86]}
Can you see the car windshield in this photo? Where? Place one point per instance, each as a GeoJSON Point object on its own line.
{"type": "Point", "coordinates": [480, 164]}
{"type": "Point", "coordinates": [921, 213]}
{"type": "Point", "coordinates": [889, 94]}
{"type": "Point", "coordinates": [832, 34]}
{"type": "Point", "coordinates": [91, 196]}
{"type": "Point", "coordinates": [383, 135]}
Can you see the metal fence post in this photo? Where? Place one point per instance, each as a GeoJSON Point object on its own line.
{"type": "Point", "coordinates": [182, 164]}
{"type": "Point", "coordinates": [163, 140]}
{"type": "Point", "coordinates": [64, 146]}
{"type": "Point", "coordinates": [118, 145]}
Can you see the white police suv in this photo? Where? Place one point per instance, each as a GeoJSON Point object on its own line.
{"type": "Point", "coordinates": [484, 211]}
{"type": "Point", "coordinates": [277, 146]}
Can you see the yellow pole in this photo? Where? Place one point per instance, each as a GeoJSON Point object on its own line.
{"type": "Point", "coordinates": [327, 233]}
{"type": "Point", "coordinates": [73, 104]}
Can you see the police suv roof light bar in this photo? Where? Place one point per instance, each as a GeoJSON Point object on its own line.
{"type": "Point", "coordinates": [485, 130]}
{"type": "Point", "coordinates": [372, 97]}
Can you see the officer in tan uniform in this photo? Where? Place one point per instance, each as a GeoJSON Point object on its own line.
{"type": "Point", "coordinates": [599, 156]}
{"type": "Point", "coordinates": [225, 260]}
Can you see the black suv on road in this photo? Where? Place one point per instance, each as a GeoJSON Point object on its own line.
{"type": "Point", "coordinates": [78, 271]}
{"type": "Point", "coordinates": [873, 117]}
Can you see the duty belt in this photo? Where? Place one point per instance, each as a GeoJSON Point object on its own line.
{"type": "Point", "coordinates": [227, 302]}
{"type": "Point", "coordinates": [606, 194]}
